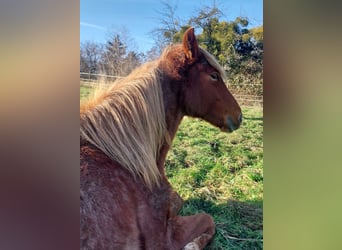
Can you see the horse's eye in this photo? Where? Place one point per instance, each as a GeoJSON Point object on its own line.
{"type": "Point", "coordinates": [214, 76]}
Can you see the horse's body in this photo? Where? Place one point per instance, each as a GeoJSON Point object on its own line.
{"type": "Point", "coordinates": [126, 200]}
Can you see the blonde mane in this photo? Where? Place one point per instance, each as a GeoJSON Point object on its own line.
{"type": "Point", "coordinates": [127, 122]}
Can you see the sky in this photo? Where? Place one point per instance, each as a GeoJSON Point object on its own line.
{"type": "Point", "coordinates": [99, 18]}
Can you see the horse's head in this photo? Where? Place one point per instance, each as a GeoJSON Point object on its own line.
{"type": "Point", "coordinates": [205, 94]}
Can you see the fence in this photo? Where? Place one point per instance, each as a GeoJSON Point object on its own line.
{"type": "Point", "coordinates": [89, 77]}
{"type": "Point", "coordinates": [246, 94]}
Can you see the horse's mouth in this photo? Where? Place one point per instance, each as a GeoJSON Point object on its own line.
{"type": "Point", "coordinates": [225, 129]}
{"type": "Point", "coordinates": [229, 126]}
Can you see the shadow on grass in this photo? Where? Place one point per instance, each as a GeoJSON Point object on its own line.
{"type": "Point", "coordinates": [239, 225]}
{"type": "Point", "coordinates": [253, 118]}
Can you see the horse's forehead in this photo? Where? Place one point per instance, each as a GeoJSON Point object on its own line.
{"type": "Point", "coordinates": [212, 62]}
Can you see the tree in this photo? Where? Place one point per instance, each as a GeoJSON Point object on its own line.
{"type": "Point", "coordinates": [152, 54]}
{"type": "Point", "coordinates": [207, 20]}
{"type": "Point", "coordinates": [170, 24]}
{"type": "Point", "coordinates": [238, 49]}
{"type": "Point", "coordinates": [131, 61]}
{"type": "Point", "coordinates": [117, 58]}
{"type": "Point", "coordinates": [90, 54]}
{"type": "Point", "coordinates": [113, 55]}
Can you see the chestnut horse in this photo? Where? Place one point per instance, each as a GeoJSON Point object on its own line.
{"type": "Point", "coordinates": [126, 201]}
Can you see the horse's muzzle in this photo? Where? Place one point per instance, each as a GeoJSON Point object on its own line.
{"type": "Point", "coordinates": [234, 125]}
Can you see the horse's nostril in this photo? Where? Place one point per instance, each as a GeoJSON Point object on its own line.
{"type": "Point", "coordinates": [240, 118]}
{"type": "Point", "coordinates": [234, 125]}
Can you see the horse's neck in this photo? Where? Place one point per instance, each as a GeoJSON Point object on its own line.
{"type": "Point", "coordinates": [173, 117]}
{"type": "Point", "coordinates": [172, 129]}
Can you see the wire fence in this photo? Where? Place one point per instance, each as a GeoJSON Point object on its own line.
{"type": "Point", "coordinates": [250, 95]}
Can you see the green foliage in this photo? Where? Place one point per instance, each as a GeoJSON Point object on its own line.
{"type": "Point", "coordinates": [239, 49]}
{"type": "Point", "coordinates": [258, 33]}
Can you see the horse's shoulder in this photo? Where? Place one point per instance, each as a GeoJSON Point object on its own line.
{"type": "Point", "coordinates": [90, 153]}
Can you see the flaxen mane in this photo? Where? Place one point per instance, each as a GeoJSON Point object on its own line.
{"type": "Point", "coordinates": [127, 120]}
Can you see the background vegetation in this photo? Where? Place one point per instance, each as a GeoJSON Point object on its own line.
{"type": "Point", "coordinates": [238, 48]}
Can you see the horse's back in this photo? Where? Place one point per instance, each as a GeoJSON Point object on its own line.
{"type": "Point", "coordinates": [117, 211]}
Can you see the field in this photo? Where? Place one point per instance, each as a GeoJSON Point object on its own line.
{"type": "Point", "coordinates": [85, 91]}
{"type": "Point", "coordinates": [221, 174]}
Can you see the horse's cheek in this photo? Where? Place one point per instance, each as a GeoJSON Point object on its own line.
{"type": "Point", "coordinates": [194, 101]}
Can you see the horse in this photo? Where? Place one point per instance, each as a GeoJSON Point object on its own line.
{"type": "Point", "coordinates": [126, 201]}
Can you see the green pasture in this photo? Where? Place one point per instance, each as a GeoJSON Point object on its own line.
{"type": "Point", "coordinates": [220, 174]}
{"type": "Point", "coordinates": [85, 91]}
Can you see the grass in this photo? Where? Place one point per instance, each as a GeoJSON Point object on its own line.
{"type": "Point", "coordinates": [220, 174]}
{"type": "Point", "coordinates": [85, 91]}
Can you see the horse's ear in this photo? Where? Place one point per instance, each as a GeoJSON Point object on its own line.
{"type": "Point", "coordinates": [190, 45]}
